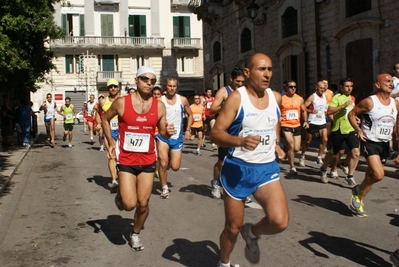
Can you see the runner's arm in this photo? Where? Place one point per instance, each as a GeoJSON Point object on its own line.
{"type": "Point", "coordinates": [220, 96]}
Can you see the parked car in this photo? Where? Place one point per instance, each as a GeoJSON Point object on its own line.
{"type": "Point", "coordinates": [79, 117]}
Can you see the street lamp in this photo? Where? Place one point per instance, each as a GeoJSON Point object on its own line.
{"type": "Point", "coordinates": [253, 9]}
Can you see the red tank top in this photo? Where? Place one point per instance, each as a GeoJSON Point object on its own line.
{"type": "Point", "coordinates": [208, 106]}
{"type": "Point", "coordinates": [137, 134]}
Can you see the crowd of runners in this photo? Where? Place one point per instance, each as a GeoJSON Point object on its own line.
{"type": "Point", "coordinates": [251, 127]}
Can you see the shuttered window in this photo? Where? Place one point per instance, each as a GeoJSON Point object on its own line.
{"type": "Point", "coordinates": [137, 26]}
{"type": "Point", "coordinates": [181, 27]}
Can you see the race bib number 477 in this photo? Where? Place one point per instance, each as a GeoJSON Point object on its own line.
{"type": "Point", "coordinates": [136, 142]}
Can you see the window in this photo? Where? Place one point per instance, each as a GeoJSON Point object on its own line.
{"type": "Point", "coordinates": [217, 52]}
{"type": "Point", "coordinates": [181, 27]}
{"type": "Point", "coordinates": [289, 22]}
{"type": "Point", "coordinates": [137, 26]}
{"type": "Point", "coordinates": [185, 64]}
{"type": "Point", "coordinates": [246, 43]}
{"type": "Point", "coordinates": [139, 61]}
{"type": "Point", "coordinates": [107, 25]}
{"type": "Point", "coordinates": [68, 64]}
{"type": "Point", "coordinates": [354, 7]}
{"type": "Point", "coordinates": [73, 64]}
{"type": "Point", "coordinates": [73, 24]}
{"type": "Point", "coordinates": [108, 63]}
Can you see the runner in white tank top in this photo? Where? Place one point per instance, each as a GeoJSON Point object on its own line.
{"type": "Point", "coordinates": [379, 113]}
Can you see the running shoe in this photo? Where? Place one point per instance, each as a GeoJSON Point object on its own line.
{"type": "Point", "coordinates": [334, 174]}
{"type": "Point", "coordinates": [319, 161]}
{"type": "Point", "coordinates": [248, 200]}
{"type": "Point", "coordinates": [356, 198]}
{"type": "Point", "coordinates": [114, 184]}
{"type": "Point", "coordinates": [165, 193]}
{"type": "Point", "coordinates": [350, 181]}
{"type": "Point", "coordinates": [323, 176]}
{"type": "Point", "coordinates": [70, 146]}
{"type": "Point", "coordinates": [252, 253]}
{"type": "Point", "coordinates": [293, 171]}
{"type": "Point", "coordinates": [344, 168]}
{"type": "Point", "coordinates": [394, 257]}
{"type": "Point", "coordinates": [135, 242]}
{"type": "Point", "coordinates": [393, 154]}
{"type": "Point", "coordinates": [91, 142]}
{"type": "Point", "coordinates": [215, 189]}
{"type": "Point", "coordinates": [302, 161]}
{"type": "Point", "coordinates": [198, 153]}
{"type": "Point", "coordinates": [64, 137]}
{"type": "Point", "coordinates": [52, 143]}
{"type": "Point", "coordinates": [85, 130]}
{"type": "Point", "coordinates": [156, 175]}
{"type": "Point", "coordinates": [214, 147]}
{"type": "Point", "coordinates": [118, 200]}
{"type": "Point", "coordinates": [102, 149]}
{"type": "Point", "coordinates": [360, 211]}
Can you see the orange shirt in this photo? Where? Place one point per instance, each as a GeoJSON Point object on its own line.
{"type": "Point", "coordinates": [329, 95]}
{"type": "Point", "coordinates": [197, 111]}
{"type": "Point", "coordinates": [291, 111]}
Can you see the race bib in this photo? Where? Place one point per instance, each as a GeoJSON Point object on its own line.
{"type": "Point", "coordinates": [197, 117]}
{"type": "Point", "coordinates": [267, 136]}
{"type": "Point", "coordinates": [208, 105]}
{"type": "Point", "coordinates": [292, 115]}
{"type": "Point", "coordinates": [69, 116]}
{"type": "Point", "coordinates": [136, 142]}
{"type": "Point", "coordinates": [383, 130]}
{"type": "Point", "coordinates": [114, 124]}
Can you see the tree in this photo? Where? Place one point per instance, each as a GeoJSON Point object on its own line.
{"type": "Point", "coordinates": [25, 30]}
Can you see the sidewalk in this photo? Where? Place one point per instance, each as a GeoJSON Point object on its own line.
{"type": "Point", "coordinates": [11, 157]}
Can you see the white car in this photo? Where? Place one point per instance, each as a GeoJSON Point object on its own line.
{"type": "Point", "coordinates": [79, 118]}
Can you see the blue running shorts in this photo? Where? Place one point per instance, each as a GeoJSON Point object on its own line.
{"type": "Point", "coordinates": [174, 144]}
{"type": "Point", "coordinates": [241, 179]}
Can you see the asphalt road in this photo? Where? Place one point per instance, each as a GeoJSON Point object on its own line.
{"type": "Point", "coordinates": [59, 211]}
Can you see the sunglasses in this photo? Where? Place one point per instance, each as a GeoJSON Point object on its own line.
{"type": "Point", "coordinates": [292, 86]}
{"type": "Point", "coordinates": [112, 86]}
{"type": "Point", "coordinates": [146, 79]}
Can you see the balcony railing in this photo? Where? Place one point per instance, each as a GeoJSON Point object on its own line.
{"type": "Point", "coordinates": [180, 2]}
{"type": "Point", "coordinates": [104, 76]}
{"type": "Point", "coordinates": [100, 41]}
{"type": "Point", "coordinates": [186, 43]}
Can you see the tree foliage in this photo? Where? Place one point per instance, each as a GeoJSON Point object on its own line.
{"type": "Point", "coordinates": [25, 29]}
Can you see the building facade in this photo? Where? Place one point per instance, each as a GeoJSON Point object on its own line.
{"type": "Point", "coordinates": [113, 38]}
{"type": "Point", "coordinates": [306, 40]}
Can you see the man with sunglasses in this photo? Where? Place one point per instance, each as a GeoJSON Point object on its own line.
{"type": "Point", "coordinates": [103, 106]}
{"type": "Point", "coordinates": [138, 116]}
{"type": "Point", "coordinates": [176, 105]}
{"type": "Point", "coordinates": [292, 111]}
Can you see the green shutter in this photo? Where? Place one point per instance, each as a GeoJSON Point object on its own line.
{"type": "Point", "coordinates": [68, 63]}
{"type": "Point", "coordinates": [176, 27]}
{"type": "Point", "coordinates": [143, 26]}
{"type": "Point", "coordinates": [82, 25]}
{"type": "Point", "coordinates": [186, 25]}
{"type": "Point", "coordinates": [64, 23]}
{"type": "Point", "coordinates": [131, 25]}
{"type": "Point", "coordinates": [107, 25]}
{"type": "Point", "coordinates": [108, 63]}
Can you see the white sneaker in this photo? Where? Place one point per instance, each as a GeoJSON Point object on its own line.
{"type": "Point", "coordinates": [215, 190]}
{"type": "Point", "coordinates": [252, 253]}
{"type": "Point", "coordinates": [135, 242]}
{"type": "Point", "coordinates": [114, 184]}
{"type": "Point", "coordinates": [323, 176]}
{"type": "Point", "coordinates": [293, 171]}
{"type": "Point", "coordinates": [165, 193]}
{"type": "Point", "coordinates": [102, 149]}
{"type": "Point", "coordinates": [334, 174]}
{"type": "Point", "coordinates": [344, 168]}
{"type": "Point", "coordinates": [302, 161]}
{"type": "Point", "coordinates": [319, 161]}
{"type": "Point", "coordinates": [70, 146]}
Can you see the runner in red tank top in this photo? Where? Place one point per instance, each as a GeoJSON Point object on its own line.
{"type": "Point", "coordinates": [138, 114]}
{"type": "Point", "coordinates": [207, 101]}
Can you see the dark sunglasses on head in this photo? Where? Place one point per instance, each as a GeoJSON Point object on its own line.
{"type": "Point", "coordinates": [292, 86]}
{"type": "Point", "coordinates": [146, 79]}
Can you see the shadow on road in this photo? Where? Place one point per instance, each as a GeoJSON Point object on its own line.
{"type": "Point", "coordinates": [101, 181]}
{"type": "Point", "coordinates": [326, 203]}
{"type": "Point", "coordinates": [395, 219]}
{"type": "Point", "coordinates": [356, 252]}
{"type": "Point", "coordinates": [115, 228]}
{"type": "Point", "coordinates": [192, 254]}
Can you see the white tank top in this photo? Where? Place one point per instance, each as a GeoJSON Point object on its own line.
{"type": "Point", "coordinates": [174, 114]}
{"type": "Point", "coordinates": [253, 121]}
{"type": "Point", "coordinates": [379, 122]}
{"type": "Point", "coordinates": [90, 107]}
{"type": "Point", "coordinates": [320, 104]}
{"type": "Point", "coordinates": [50, 110]}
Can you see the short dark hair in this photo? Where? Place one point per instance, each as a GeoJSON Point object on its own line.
{"type": "Point", "coordinates": [67, 98]}
{"type": "Point", "coordinates": [157, 88]}
{"type": "Point", "coordinates": [344, 80]}
{"type": "Point", "coordinates": [236, 72]}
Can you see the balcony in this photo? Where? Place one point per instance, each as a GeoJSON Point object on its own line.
{"type": "Point", "coordinates": [104, 76]}
{"type": "Point", "coordinates": [207, 10]}
{"type": "Point", "coordinates": [179, 3]}
{"type": "Point", "coordinates": [186, 43]}
{"type": "Point", "coordinates": [111, 42]}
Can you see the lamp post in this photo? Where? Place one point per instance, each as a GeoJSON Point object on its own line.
{"type": "Point", "coordinates": [253, 9]}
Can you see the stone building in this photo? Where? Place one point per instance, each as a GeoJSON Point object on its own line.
{"type": "Point", "coordinates": [113, 38]}
{"type": "Point", "coordinates": [306, 40]}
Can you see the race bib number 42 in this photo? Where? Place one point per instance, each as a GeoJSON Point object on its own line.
{"type": "Point", "coordinates": [136, 142]}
